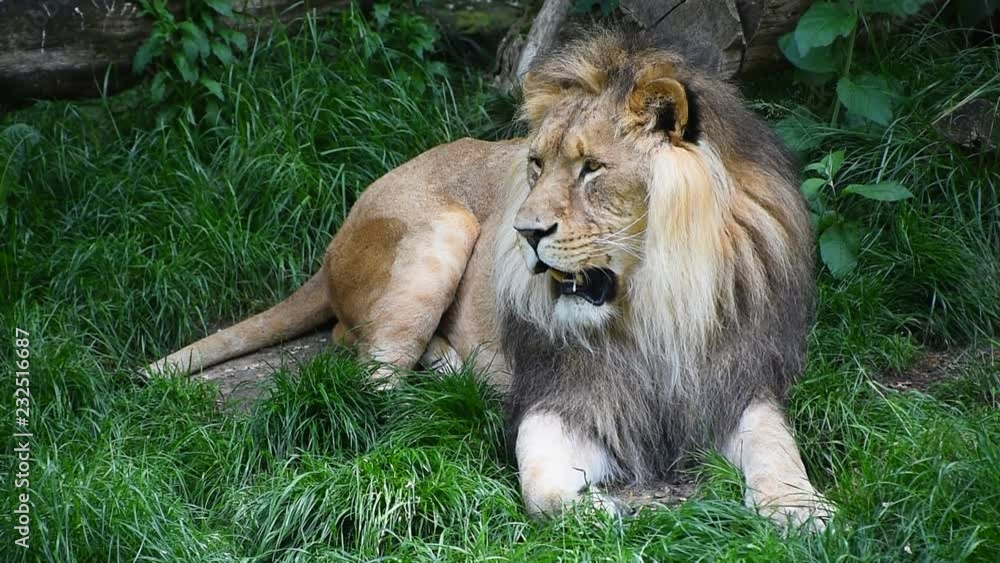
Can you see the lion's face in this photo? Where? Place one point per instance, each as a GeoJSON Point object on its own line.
{"type": "Point", "coordinates": [582, 222]}
{"type": "Point", "coordinates": [641, 204]}
{"type": "Point", "coordinates": [589, 171]}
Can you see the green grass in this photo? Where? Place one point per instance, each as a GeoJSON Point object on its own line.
{"type": "Point", "coordinates": [124, 241]}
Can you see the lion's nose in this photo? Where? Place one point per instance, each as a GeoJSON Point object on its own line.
{"type": "Point", "coordinates": [534, 235]}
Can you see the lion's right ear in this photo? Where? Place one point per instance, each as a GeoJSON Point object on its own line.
{"type": "Point", "coordinates": [660, 102]}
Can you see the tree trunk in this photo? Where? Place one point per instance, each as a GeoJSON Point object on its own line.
{"type": "Point", "coordinates": [81, 48]}
{"type": "Point", "coordinates": [550, 18]}
{"type": "Point", "coordinates": [730, 37]}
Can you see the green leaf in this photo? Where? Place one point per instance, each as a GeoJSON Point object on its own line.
{"type": "Point", "coordinates": [829, 165]}
{"type": "Point", "coordinates": [838, 247]}
{"type": "Point", "coordinates": [882, 191]}
{"type": "Point", "coordinates": [222, 52]}
{"type": "Point", "coordinates": [208, 22]}
{"type": "Point", "coordinates": [799, 132]}
{"type": "Point", "coordinates": [423, 41]}
{"type": "Point", "coordinates": [190, 48]}
{"type": "Point", "coordinates": [811, 188]}
{"type": "Point", "coordinates": [156, 8]}
{"type": "Point", "coordinates": [212, 111]}
{"type": "Point", "coordinates": [381, 12]}
{"type": "Point", "coordinates": [158, 90]}
{"type": "Point", "coordinates": [814, 219]}
{"type": "Point", "coordinates": [819, 59]}
{"type": "Point", "coordinates": [437, 68]}
{"type": "Point", "coordinates": [832, 163]}
{"type": "Point", "coordinates": [817, 168]}
{"type": "Point", "coordinates": [167, 114]}
{"type": "Point", "coordinates": [238, 39]}
{"type": "Point", "coordinates": [188, 72]}
{"type": "Point", "coordinates": [214, 87]}
{"type": "Point", "coordinates": [868, 96]}
{"type": "Point", "coordinates": [221, 7]}
{"type": "Point", "coordinates": [822, 23]}
{"type": "Point", "coordinates": [827, 219]}
{"type": "Point", "coordinates": [149, 50]}
{"type": "Point", "coordinates": [195, 35]}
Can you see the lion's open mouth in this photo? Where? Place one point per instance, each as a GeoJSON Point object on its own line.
{"type": "Point", "coordinates": [596, 285]}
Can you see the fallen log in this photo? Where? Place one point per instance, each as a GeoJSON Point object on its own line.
{"type": "Point", "coordinates": [56, 49]}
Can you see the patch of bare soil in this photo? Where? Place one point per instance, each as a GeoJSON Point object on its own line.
{"type": "Point", "coordinates": [242, 380]}
{"type": "Point", "coordinates": [938, 366]}
{"type": "Point", "coordinates": [671, 493]}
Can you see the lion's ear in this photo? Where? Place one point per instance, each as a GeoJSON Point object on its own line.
{"type": "Point", "coordinates": [661, 103]}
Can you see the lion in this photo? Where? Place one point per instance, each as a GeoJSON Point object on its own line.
{"type": "Point", "coordinates": [636, 275]}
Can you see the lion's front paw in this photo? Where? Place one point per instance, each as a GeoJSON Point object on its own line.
{"type": "Point", "coordinates": [612, 505]}
{"type": "Point", "coordinates": [385, 378]}
{"type": "Point", "coordinates": [555, 502]}
{"type": "Point", "coordinates": [811, 512]}
{"type": "Point", "coordinates": [787, 506]}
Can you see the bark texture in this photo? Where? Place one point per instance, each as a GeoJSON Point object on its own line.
{"type": "Point", "coordinates": [79, 48]}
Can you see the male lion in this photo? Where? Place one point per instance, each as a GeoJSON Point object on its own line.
{"type": "Point", "coordinates": [637, 274]}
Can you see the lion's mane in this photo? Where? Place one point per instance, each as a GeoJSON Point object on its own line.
{"type": "Point", "coordinates": [718, 309]}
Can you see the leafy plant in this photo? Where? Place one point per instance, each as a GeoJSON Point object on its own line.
{"type": "Point", "coordinates": [405, 31]}
{"type": "Point", "coordinates": [822, 48]}
{"type": "Point", "coordinates": [399, 33]}
{"type": "Point", "coordinates": [405, 40]}
{"type": "Point", "coordinates": [839, 238]}
{"type": "Point", "coordinates": [186, 52]}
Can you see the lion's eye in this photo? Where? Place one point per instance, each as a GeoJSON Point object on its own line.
{"type": "Point", "coordinates": [590, 166]}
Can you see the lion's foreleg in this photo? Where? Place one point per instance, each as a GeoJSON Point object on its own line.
{"type": "Point", "coordinates": [762, 446]}
{"type": "Point", "coordinates": [557, 465]}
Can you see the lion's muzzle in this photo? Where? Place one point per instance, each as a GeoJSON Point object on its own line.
{"type": "Point", "coordinates": [595, 285]}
